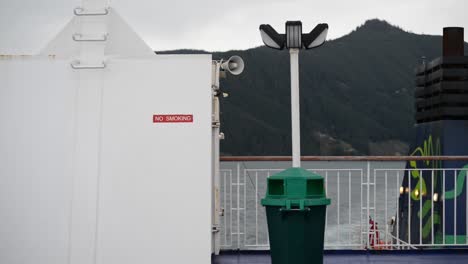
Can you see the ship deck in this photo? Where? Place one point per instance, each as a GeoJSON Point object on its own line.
{"type": "Point", "coordinates": [341, 257]}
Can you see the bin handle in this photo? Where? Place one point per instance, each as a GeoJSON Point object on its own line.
{"type": "Point", "coordinates": [284, 209]}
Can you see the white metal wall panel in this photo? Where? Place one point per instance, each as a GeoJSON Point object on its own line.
{"type": "Point", "coordinates": [87, 177]}
{"type": "Point", "coordinates": [37, 130]}
{"type": "Point", "coordinates": [155, 179]}
{"type": "Point", "coordinates": [85, 181]}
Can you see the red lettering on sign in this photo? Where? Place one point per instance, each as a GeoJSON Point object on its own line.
{"type": "Point", "coordinates": [172, 118]}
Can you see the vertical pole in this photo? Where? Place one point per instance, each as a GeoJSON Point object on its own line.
{"type": "Point", "coordinates": [256, 208]}
{"type": "Point", "coordinates": [215, 200]}
{"type": "Point", "coordinates": [432, 207]}
{"type": "Point", "coordinates": [409, 207]}
{"type": "Point", "coordinates": [386, 207]}
{"type": "Point", "coordinates": [338, 207]}
{"type": "Point", "coordinates": [420, 205]}
{"type": "Point", "coordinates": [368, 206]}
{"type": "Point", "coordinates": [349, 208]}
{"type": "Point", "coordinates": [397, 222]}
{"type": "Point", "coordinates": [238, 207]}
{"type": "Point", "coordinates": [326, 211]}
{"type": "Point", "coordinates": [295, 115]}
{"type": "Point", "coordinates": [443, 207]}
{"type": "Point", "coordinates": [361, 208]}
{"type": "Point", "coordinates": [455, 208]}
{"type": "Point", "coordinates": [224, 208]}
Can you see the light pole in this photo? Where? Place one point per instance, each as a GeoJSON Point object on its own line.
{"type": "Point", "coordinates": [294, 40]}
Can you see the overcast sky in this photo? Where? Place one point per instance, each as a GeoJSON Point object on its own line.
{"type": "Point", "coordinates": [27, 25]}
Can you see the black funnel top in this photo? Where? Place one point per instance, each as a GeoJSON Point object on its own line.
{"type": "Point", "coordinates": [442, 84]}
{"type": "Point", "coordinates": [453, 42]}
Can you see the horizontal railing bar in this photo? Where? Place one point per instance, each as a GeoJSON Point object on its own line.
{"type": "Point", "coordinates": [344, 158]}
{"type": "Point", "coordinates": [328, 245]}
{"type": "Point", "coordinates": [259, 248]}
{"type": "Point", "coordinates": [423, 169]}
{"type": "Point", "coordinates": [254, 170]}
{"type": "Point", "coordinates": [248, 170]}
{"type": "Point", "coordinates": [414, 246]}
{"type": "Point", "coordinates": [358, 170]}
{"type": "Point", "coordinates": [342, 245]}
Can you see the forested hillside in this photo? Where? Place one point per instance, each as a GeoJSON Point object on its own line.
{"type": "Point", "coordinates": [356, 95]}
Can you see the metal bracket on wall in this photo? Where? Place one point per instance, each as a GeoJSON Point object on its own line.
{"type": "Point", "coordinates": [215, 229]}
{"type": "Point", "coordinates": [79, 11]}
{"type": "Point", "coordinates": [80, 37]}
{"type": "Point", "coordinates": [78, 66]}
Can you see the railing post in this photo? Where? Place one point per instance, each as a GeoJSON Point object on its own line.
{"type": "Point", "coordinates": [256, 208]}
{"type": "Point", "coordinates": [420, 205]}
{"type": "Point", "coordinates": [238, 206]}
{"type": "Point", "coordinates": [368, 206]}
{"type": "Point", "coordinates": [386, 202]}
{"type": "Point", "coordinates": [361, 208]}
{"type": "Point", "coordinates": [409, 207]}
{"type": "Point", "coordinates": [338, 207]}
{"type": "Point", "coordinates": [245, 209]}
{"type": "Point", "coordinates": [455, 207]}
{"type": "Point", "coordinates": [349, 208]}
{"type": "Point", "coordinates": [432, 207]}
{"type": "Point", "coordinates": [397, 222]}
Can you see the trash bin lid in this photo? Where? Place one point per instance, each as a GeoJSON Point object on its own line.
{"type": "Point", "coordinates": [295, 187]}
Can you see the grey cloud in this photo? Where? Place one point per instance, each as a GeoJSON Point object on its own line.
{"type": "Point", "coordinates": [26, 25]}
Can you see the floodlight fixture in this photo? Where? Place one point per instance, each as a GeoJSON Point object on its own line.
{"type": "Point", "coordinates": [294, 34]}
{"type": "Point", "coordinates": [294, 40]}
{"type": "Point", "coordinates": [271, 38]}
{"type": "Point", "coordinates": [316, 37]}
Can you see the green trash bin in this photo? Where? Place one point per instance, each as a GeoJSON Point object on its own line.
{"type": "Point", "coordinates": [295, 207]}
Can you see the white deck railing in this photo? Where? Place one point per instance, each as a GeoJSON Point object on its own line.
{"type": "Point", "coordinates": [360, 190]}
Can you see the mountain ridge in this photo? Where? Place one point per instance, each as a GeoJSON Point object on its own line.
{"type": "Point", "coordinates": [356, 90]}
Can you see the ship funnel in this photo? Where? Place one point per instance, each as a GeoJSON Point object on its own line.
{"type": "Point", "coordinates": [453, 42]}
{"type": "Point", "coordinates": [234, 65]}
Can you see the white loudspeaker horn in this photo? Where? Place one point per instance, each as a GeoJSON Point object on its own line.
{"type": "Point", "coordinates": [234, 65]}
